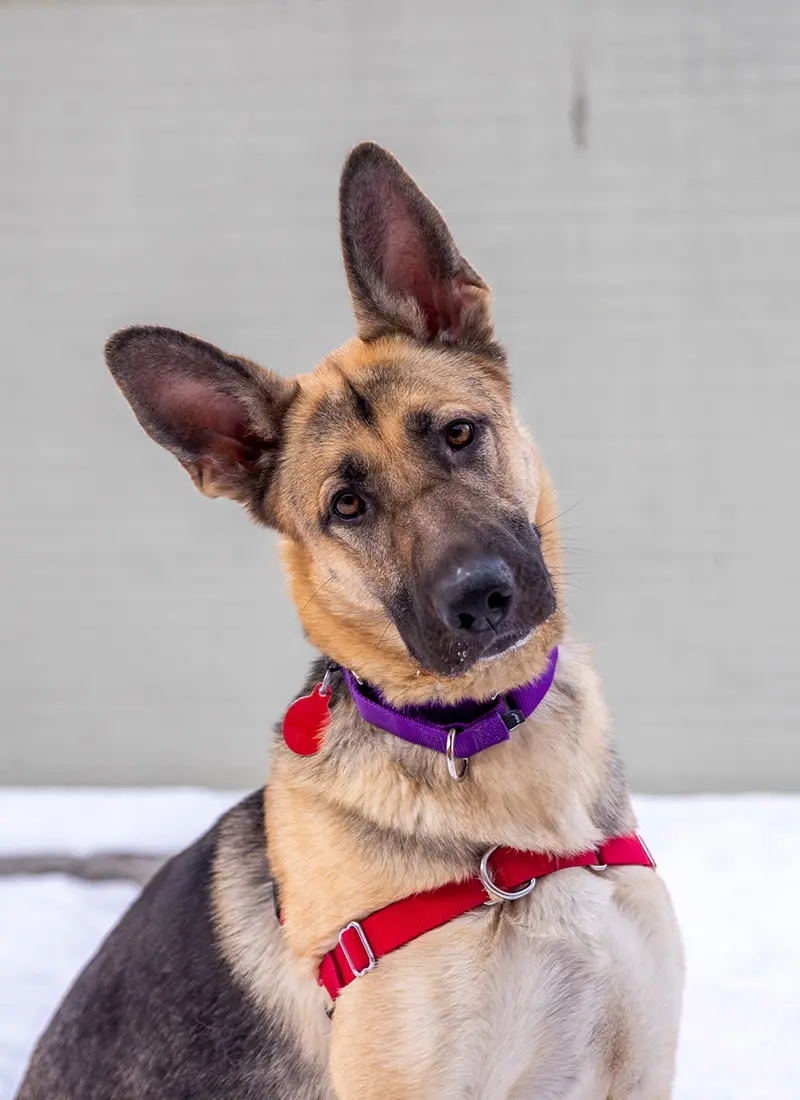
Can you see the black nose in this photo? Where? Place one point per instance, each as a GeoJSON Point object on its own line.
{"type": "Point", "coordinates": [474, 595]}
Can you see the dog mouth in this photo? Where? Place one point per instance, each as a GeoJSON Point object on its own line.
{"type": "Point", "coordinates": [455, 657]}
{"type": "Point", "coordinates": [503, 645]}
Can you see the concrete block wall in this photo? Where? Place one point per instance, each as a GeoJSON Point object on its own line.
{"type": "Point", "coordinates": [627, 178]}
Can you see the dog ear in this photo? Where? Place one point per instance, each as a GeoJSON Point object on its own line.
{"type": "Point", "coordinates": [220, 416]}
{"type": "Point", "coordinates": [404, 269]}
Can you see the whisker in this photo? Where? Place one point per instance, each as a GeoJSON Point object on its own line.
{"type": "Point", "coordinates": [383, 635]}
{"type": "Point", "coordinates": [316, 592]}
{"type": "Point", "coordinates": [541, 526]}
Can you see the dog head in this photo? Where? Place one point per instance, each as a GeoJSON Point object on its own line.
{"type": "Point", "coordinates": [418, 522]}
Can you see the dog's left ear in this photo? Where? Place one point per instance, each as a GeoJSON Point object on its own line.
{"type": "Point", "coordinates": [404, 269]}
{"type": "Point", "coordinates": [219, 415]}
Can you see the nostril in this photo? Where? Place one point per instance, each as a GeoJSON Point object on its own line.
{"type": "Point", "coordinates": [488, 609]}
{"type": "Point", "coordinates": [498, 601]}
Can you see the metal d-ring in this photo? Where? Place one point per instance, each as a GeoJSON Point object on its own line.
{"type": "Point", "coordinates": [453, 761]}
{"type": "Point", "coordinates": [598, 866]}
{"type": "Point", "coordinates": [494, 891]}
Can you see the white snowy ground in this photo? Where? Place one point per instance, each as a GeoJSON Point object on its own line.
{"type": "Point", "coordinates": [732, 864]}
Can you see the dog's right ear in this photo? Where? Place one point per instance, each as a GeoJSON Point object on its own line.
{"type": "Point", "coordinates": [221, 416]}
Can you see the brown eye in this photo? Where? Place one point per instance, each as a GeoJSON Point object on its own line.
{"type": "Point", "coordinates": [347, 505]}
{"type": "Point", "coordinates": [460, 434]}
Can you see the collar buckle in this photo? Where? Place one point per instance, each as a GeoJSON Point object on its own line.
{"type": "Point", "coordinates": [512, 718]}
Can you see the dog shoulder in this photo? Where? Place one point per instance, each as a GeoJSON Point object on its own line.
{"type": "Point", "coordinates": [159, 1012]}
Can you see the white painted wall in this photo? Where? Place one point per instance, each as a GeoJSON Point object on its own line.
{"type": "Point", "coordinates": [627, 177]}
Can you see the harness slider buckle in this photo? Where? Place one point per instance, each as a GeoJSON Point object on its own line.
{"type": "Point", "coordinates": [364, 943]}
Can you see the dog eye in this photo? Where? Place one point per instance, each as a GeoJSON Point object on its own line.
{"type": "Point", "coordinates": [347, 505]}
{"type": "Point", "coordinates": [459, 434]}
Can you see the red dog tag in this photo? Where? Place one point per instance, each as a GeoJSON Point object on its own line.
{"type": "Point", "coordinates": [306, 720]}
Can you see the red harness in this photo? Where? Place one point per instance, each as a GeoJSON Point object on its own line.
{"type": "Point", "coordinates": [512, 875]}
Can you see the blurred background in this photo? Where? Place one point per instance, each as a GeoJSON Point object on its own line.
{"type": "Point", "coordinates": [626, 176]}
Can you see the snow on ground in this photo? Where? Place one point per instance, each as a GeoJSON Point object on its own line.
{"type": "Point", "coordinates": [49, 927]}
{"type": "Point", "coordinates": [75, 821]}
{"type": "Point", "coordinates": [731, 864]}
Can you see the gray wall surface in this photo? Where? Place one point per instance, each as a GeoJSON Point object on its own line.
{"type": "Point", "coordinates": [625, 175]}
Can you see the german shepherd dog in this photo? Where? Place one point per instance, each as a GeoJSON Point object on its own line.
{"type": "Point", "coordinates": [419, 535]}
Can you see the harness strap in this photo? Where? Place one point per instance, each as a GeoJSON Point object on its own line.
{"type": "Point", "coordinates": [362, 943]}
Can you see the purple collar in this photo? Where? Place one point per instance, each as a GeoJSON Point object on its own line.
{"type": "Point", "coordinates": [430, 725]}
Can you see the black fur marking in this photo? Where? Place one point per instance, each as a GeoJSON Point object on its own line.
{"type": "Point", "coordinates": [329, 415]}
{"type": "Point", "coordinates": [419, 423]}
{"type": "Point", "coordinates": [380, 382]}
{"type": "Point", "coordinates": [360, 398]}
{"type": "Point", "coordinates": [157, 1015]}
{"type": "Point", "coordinates": [353, 471]}
{"type": "Point", "coordinates": [363, 408]}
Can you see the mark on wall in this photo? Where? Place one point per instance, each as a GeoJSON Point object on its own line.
{"type": "Point", "coordinates": [579, 111]}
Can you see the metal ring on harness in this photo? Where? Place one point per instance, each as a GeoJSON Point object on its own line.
{"type": "Point", "coordinates": [496, 894]}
